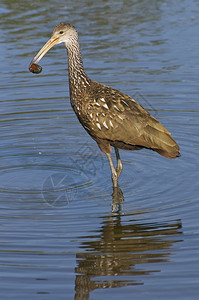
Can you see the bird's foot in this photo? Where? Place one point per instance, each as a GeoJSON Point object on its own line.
{"type": "Point", "coordinates": [118, 171]}
{"type": "Point", "coordinates": [114, 178]}
{"type": "Point", "coordinates": [117, 199]}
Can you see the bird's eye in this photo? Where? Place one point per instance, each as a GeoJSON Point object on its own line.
{"type": "Point", "coordinates": [61, 32]}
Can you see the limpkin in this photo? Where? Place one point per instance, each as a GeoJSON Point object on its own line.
{"type": "Point", "coordinates": [110, 117]}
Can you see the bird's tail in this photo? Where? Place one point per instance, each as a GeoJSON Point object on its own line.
{"type": "Point", "coordinates": [162, 141]}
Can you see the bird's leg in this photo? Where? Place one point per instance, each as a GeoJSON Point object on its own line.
{"type": "Point", "coordinates": [117, 199]}
{"type": "Point", "coordinates": [119, 162]}
{"type": "Point", "coordinates": [113, 171]}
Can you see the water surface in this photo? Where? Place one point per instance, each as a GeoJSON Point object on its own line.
{"type": "Point", "coordinates": [61, 235]}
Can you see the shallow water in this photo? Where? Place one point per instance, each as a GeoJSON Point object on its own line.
{"type": "Point", "coordinates": [61, 236]}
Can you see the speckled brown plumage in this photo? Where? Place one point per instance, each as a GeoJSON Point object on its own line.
{"type": "Point", "coordinates": [108, 115]}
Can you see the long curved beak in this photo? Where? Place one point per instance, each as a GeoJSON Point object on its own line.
{"type": "Point", "coordinates": [48, 45]}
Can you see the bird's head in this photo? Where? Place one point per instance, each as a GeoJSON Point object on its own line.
{"type": "Point", "coordinates": [63, 33]}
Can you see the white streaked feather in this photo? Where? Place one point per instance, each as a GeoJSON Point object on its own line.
{"type": "Point", "coordinates": [98, 125]}
{"type": "Point", "coordinates": [111, 123]}
{"type": "Point", "coordinates": [105, 106]}
{"type": "Point", "coordinates": [105, 125]}
{"type": "Point", "coordinates": [120, 117]}
{"type": "Point", "coordinates": [116, 107]}
{"type": "Point", "coordinates": [124, 102]}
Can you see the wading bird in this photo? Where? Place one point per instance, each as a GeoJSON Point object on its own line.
{"type": "Point", "coordinates": [110, 117]}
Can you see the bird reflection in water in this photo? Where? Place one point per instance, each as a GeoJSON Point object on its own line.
{"type": "Point", "coordinates": [114, 255]}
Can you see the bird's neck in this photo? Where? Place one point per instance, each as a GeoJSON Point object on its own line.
{"type": "Point", "coordinates": [78, 80]}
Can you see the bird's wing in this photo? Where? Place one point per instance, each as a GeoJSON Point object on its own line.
{"type": "Point", "coordinates": [117, 117]}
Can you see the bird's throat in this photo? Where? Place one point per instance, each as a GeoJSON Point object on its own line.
{"type": "Point", "coordinates": [78, 80]}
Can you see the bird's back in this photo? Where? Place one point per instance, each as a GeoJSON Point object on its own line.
{"type": "Point", "coordinates": [110, 115]}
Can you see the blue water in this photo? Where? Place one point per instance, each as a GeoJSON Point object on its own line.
{"type": "Point", "coordinates": [61, 236]}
